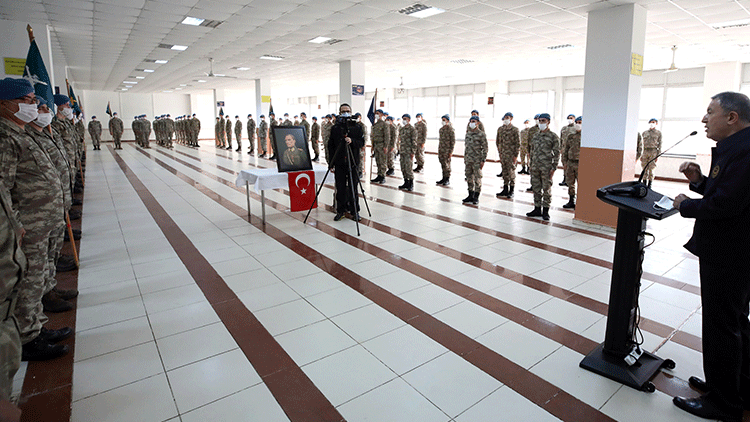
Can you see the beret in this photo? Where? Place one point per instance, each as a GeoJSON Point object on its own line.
{"type": "Point", "coordinates": [93, 117]}
{"type": "Point", "coordinates": [446, 117]}
{"type": "Point", "coordinates": [653, 120]}
{"type": "Point", "coordinates": [263, 115]}
{"type": "Point", "coordinates": [389, 118]}
{"type": "Point", "coordinates": [12, 88]}
{"type": "Point", "coordinates": [579, 119]}
{"type": "Point", "coordinates": [571, 115]}
{"type": "Point", "coordinates": [536, 117]}
{"type": "Point", "coordinates": [406, 116]}
{"type": "Point", "coordinates": [315, 117]}
{"type": "Point", "coordinates": [303, 114]}
{"type": "Point", "coordinates": [474, 111]}
{"type": "Point", "coordinates": [474, 118]}
{"type": "Point", "coordinates": [249, 115]}
{"type": "Point", "coordinates": [419, 115]}
{"type": "Point", "coordinates": [380, 110]}
{"type": "Point", "coordinates": [357, 114]}
{"type": "Point", "coordinates": [544, 116]}
{"type": "Point", "coordinates": [61, 99]}
{"type": "Point", "coordinates": [508, 114]}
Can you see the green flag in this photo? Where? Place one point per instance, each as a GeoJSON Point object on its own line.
{"type": "Point", "coordinates": [36, 73]}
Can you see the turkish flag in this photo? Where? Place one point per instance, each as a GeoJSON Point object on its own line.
{"type": "Point", "coordinates": [302, 190]}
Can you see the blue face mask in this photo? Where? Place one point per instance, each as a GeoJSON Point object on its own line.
{"type": "Point", "coordinates": [346, 114]}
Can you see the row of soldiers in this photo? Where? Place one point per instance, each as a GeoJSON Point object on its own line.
{"type": "Point", "coordinates": [141, 130]}
{"type": "Point", "coordinates": [164, 128]}
{"type": "Point", "coordinates": [187, 129]}
{"type": "Point", "coordinates": [40, 166]}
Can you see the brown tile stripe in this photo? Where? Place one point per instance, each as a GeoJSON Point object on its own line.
{"type": "Point", "coordinates": [47, 386]}
{"type": "Point", "coordinates": [662, 330]}
{"type": "Point", "coordinates": [544, 394]}
{"type": "Point", "coordinates": [298, 396]}
{"type": "Point", "coordinates": [565, 337]}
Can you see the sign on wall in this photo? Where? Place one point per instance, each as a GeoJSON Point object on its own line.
{"type": "Point", "coordinates": [636, 64]}
{"type": "Point", "coordinates": [358, 90]}
{"type": "Point", "coordinates": [14, 66]}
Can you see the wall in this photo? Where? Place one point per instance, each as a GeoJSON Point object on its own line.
{"type": "Point", "coordinates": [16, 45]}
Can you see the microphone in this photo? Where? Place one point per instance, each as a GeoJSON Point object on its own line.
{"type": "Point", "coordinates": [640, 178]}
{"type": "Point", "coordinates": [639, 190]}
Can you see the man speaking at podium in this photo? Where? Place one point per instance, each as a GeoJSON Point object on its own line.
{"type": "Point", "coordinates": [721, 241]}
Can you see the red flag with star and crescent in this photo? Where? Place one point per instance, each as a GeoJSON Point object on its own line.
{"type": "Point", "coordinates": [302, 190]}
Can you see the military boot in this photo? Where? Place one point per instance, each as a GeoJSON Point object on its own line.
{"type": "Point", "coordinates": [52, 303]}
{"type": "Point", "coordinates": [411, 185]}
{"type": "Point", "coordinates": [390, 172]}
{"type": "Point", "coordinates": [545, 213]}
{"type": "Point", "coordinates": [405, 185]}
{"type": "Point", "coordinates": [510, 191]}
{"type": "Point", "coordinates": [447, 181]}
{"type": "Point", "coordinates": [530, 189]}
{"type": "Point", "coordinates": [418, 169]}
{"type": "Point", "coordinates": [441, 181]}
{"type": "Point", "coordinates": [469, 198]}
{"type": "Point", "coordinates": [316, 159]}
{"type": "Point", "coordinates": [39, 349]}
{"type": "Point", "coordinates": [503, 193]}
{"type": "Point", "coordinates": [571, 203]}
{"type": "Point", "coordinates": [475, 198]}
{"type": "Point", "coordinates": [536, 212]}
{"type": "Point", "coordinates": [379, 179]}
{"type": "Point", "coordinates": [523, 170]}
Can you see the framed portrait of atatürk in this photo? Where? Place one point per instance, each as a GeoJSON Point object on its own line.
{"type": "Point", "coordinates": [291, 146]}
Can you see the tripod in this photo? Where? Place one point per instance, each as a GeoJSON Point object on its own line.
{"type": "Point", "coordinates": [350, 169]}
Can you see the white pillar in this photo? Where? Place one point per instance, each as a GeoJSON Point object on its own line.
{"type": "Point", "coordinates": [615, 38]}
{"type": "Point", "coordinates": [351, 74]}
{"type": "Point", "coordinates": [262, 97]}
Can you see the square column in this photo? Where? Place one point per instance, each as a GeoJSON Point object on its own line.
{"type": "Point", "coordinates": [262, 97]}
{"type": "Point", "coordinates": [352, 73]}
{"type": "Point", "coordinates": [615, 42]}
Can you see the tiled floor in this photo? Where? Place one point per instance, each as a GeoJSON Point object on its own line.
{"type": "Point", "coordinates": [437, 312]}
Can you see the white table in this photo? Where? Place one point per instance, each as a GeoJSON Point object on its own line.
{"type": "Point", "coordinates": [270, 178]}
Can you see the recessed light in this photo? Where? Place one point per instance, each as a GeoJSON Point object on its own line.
{"type": "Point", "coordinates": [148, 70]}
{"type": "Point", "coordinates": [243, 68]}
{"type": "Point", "coordinates": [421, 11]}
{"type": "Point", "coordinates": [267, 57]}
{"type": "Point", "coordinates": [140, 77]}
{"type": "Point", "coordinates": [167, 91]}
{"type": "Point", "coordinates": [201, 80]}
{"type": "Point", "coordinates": [177, 89]}
{"type": "Point", "coordinates": [319, 40]}
{"type": "Point", "coordinates": [179, 47]}
{"type": "Point", "coordinates": [561, 46]}
{"type": "Point", "coordinates": [731, 24]}
{"type": "Point", "coordinates": [161, 61]}
{"type": "Point", "coordinates": [123, 89]}
{"type": "Point", "coordinates": [192, 21]}
{"type": "Point", "coordinates": [129, 82]}
{"type": "Point", "coordinates": [183, 84]}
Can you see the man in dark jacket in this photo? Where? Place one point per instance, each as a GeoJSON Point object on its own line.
{"type": "Point", "coordinates": [346, 134]}
{"type": "Point", "coordinates": [721, 240]}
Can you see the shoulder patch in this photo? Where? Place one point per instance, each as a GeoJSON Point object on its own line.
{"type": "Point", "coordinates": [715, 171]}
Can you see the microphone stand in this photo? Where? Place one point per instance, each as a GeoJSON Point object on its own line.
{"type": "Point", "coordinates": [640, 178]}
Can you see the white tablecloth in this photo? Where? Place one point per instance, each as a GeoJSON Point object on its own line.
{"type": "Point", "coordinates": [270, 178]}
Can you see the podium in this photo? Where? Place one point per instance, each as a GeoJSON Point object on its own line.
{"type": "Point", "coordinates": [609, 358]}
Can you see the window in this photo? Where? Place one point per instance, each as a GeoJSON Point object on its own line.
{"type": "Point", "coordinates": [652, 100]}
{"type": "Point", "coordinates": [684, 102]}
{"type": "Point", "coordinates": [573, 103]}
{"type": "Point", "coordinates": [463, 105]}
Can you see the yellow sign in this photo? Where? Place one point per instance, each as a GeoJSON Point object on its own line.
{"type": "Point", "coordinates": [14, 66]}
{"type": "Point", "coordinates": [636, 64]}
{"type": "Point", "coordinates": [265, 98]}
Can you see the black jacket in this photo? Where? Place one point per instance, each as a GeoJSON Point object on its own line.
{"type": "Point", "coordinates": [341, 130]}
{"type": "Point", "coordinates": [722, 216]}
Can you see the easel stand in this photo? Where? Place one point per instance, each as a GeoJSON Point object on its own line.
{"type": "Point", "coordinates": [609, 358]}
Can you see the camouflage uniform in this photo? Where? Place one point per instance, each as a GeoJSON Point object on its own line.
{"type": "Point", "coordinates": [12, 267]}
{"type": "Point", "coordinates": [169, 128]}
{"type": "Point", "coordinates": [475, 153]}
{"type": "Point", "coordinates": [304, 123]}
{"type": "Point", "coordinates": [651, 148]}
{"type": "Point", "coordinates": [95, 130]}
{"type": "Point", "coordinates": [115, 129]}
{"type": "Point", "coordinates": [37, 194]}
{"type": "Point", "coordinates": [67, 132]}
{"type": "Point", "coordinates": [315, 139]}
{"type": "Point", "coordinates": [391, 153]}
{"type": "Point", "coordinates": [80, 130]}
{"type": "Point", "coordinates": [380, 137]}
{"type": "Point", "coordinates": [508, 141]}
{"type": "Point", "coordinates": [407, 146]}
{"type": "Point", "coordinates": [524, 149]}
{"type": "Point", "coordinates": [238, 133]}
{"type": "Point", "coordinates": [228, 131]}
{"type": "Point", "coordinates": [363, 149]}
{"type": "Point", "coordinates": [250, 135]}
{"type": "Point", "coordinates": [565, 132]}
{"type": "Point", "coordinates": [421, 128]}
{"type": "Point", "coordinates": [638, 147]}
{"type": "Point", "coordinates": [545, 153]}
{"type": "Point", "coordinates": [480, 124]}
{"type": "Point", "coordinates": [146, 124]}
{"type": "Point", "coordinates": [136, 127]}
{"type": "Point", "coordinates": [217, 133]}
{"type": "Point", "coordinates": [572, 151]}
{"type": "Point", "coordinates": [445, 148]}
{"type": "Point", "coordinates": [195, 129]}
{"type": "Point", "coordinates": [222, 133]}
{"type": "Point", "coordinates": [262, 135]}
{"type": "Point", "coordinates": [271, 136]}
{"type": "Point", "coordinates": [325, 131]}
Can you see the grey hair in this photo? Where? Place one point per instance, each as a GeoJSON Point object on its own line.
{"type": "Point", "coordinates": [734, 101]}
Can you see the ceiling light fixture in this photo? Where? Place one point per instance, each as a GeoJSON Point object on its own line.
{"type": "Point", "coordinates": [161, 61]}
{"type": "Point", "coordinates": [192, 21]}
{"type": "Point", "coordinates": [201, 80]}
{"type": "Point", "coordinates": [140, 77]}
{"type": "Point", "coordinates": [242, 68]}
{"type": "Point", "coordinates": [179, 47]}
{"type": "Point", "coordinates": [462, 61]}
{"type": "Point", "coordinates": [183, 84]}
{"type": "Point", "coordinates": [267, 57]}
{"type": "Point", "coordinates": [319, 40]}
{"type": "Point", "coordinates": [421, 11]}
{"type": "Point", "coordinates": [129, 82]}
{"type": "Point", "coordinates": [148, 70]}
{"type": "Point", "coordinates": [123, 89]}
{"type": "Point", "coordinates": [559, 47]}
{"type": "Point", "coordinates": [731, 24]}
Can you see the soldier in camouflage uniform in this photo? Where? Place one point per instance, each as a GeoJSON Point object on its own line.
{"type": "Point", "coordinates": [545, 153]}
{"type": "Point", "coordinates": [572, 150]}
{"type": "Point", "coordinates": [37, 203]}
{"type": "Point", "coordinates": [195, 129]}
{"type": "Point", "coordinates": [524, 149]}
{"type": "Point", "coordinates": [380, 136]}
{"type": "Point", "coordinates": [445, 149]}
{"type": "Point", "coordinates": [315, 138]}
{"type": "Point", "coordinates": [62, 124]}
{"type": "Point", "coordinates": [564, 133]}
{"type": "Point", "coordinates": [421, 128]}
{"type": "Point", "coordinates": [115, 129]}
{"type": "Point", "coordinates": [407, 147]}
{"type": "Point", "coordinates": [508, 141]}
{"type": "Point", "coordinates": [651, 148]}
{"type": "Point", "coordinates": [475, 113]}
{"type": "Point", "coordinates": [146, 131]}
{"type": "Point", "coordinates": [81, 132]}
{"type": "Point", "coordinates": [250, 134]}
{"type": "Point", "coordinates": [362, 150]}
{"type": "Point", "coordinates": [287, 122]}
{"type": "Point", "coordinates": [533, 130]}
{"type": "Point", "coordinates": [228, 131]}
{"type": "Point", "coordinates": [271, 137]}
{"type": "Point", "coordinates": [169, 129]}
{"type": "Point", "coordinates": [391, 152]}
{"type": "Point", "coordinates": [475, 154]}
{"type": "Point", "coordinates": [262, 136]}
{"type": "Point", "coordinates": [217, 132]}
{"type": "Point", "coordinates": [222, 132]}
{"type": "Point", "coordinates": [95, 130]}
{"type": "Point", "coordinates": [304, 123]}
{"type": "Point", "coordinates": [134, 125]}
{"type": "Point", "coordinates": [238, 133]}
{"type": "Point", "coordinates": [325, 131]}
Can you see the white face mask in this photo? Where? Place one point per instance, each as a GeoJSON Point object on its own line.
{"type": "Point", "coordinates": [542, 126]}
{"type": "Point", "coordinates": [444, 123]}
{"type": "Point", "coordinates": [578, 126]}
{"type": "Point", "coordinates": [68, 113]}
{"type": "Point", "coordinates": [44, 119]}
{"type": "Point", "coordinates": [571, 121]}
{"type": "Point", "coordinates": [473, 125]}
{"type": "Point", "coordinates": [506, 122]}
{"type": "Point", "coordinates": [26, 112]}
{"type": "Point", "coordinates": [652, 125]}
{"type": "Point", "coordinates": [527, 124]}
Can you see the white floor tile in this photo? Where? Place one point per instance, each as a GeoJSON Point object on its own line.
{"type": "Point", "coordinates": [514, 342]}
{"type": "Point", "coordinates": [256, 403]}
{"type": "Point", "coordinates": [182, 319]}
{"type": "Point", "coordinates": [146, 400]}
{"type": "Point", "coordinates": [512, 406]}
{"type": "Point", "coordinates": [288, 316]}
{"type": "Point", "coordinates": [194, 345]}
{"type": "Point", "coordinates": [313, 342]}
{"type": "Point", "coordinates": [403, 404]}
{"type": "Point", "coordinates": [404, 349]}
{"type": "Point", "coordinates": [112, 337]}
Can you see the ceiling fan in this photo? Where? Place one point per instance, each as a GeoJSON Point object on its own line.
{"type": "Point", "coordinates": [211, 73]}
{"type": "Point", "coordinates": [672, 68]}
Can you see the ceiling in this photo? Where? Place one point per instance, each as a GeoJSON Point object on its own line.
{"type": "Point", "coordinates": [105, 42]}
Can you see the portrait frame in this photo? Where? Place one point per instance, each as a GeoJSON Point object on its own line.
{"type": "Point", "coordinates": [282, 160]}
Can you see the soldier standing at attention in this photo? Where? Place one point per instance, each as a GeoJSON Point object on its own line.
{"type": "Point", "coordinates": [222, 132]}
{"type": "Point", "coordinates": [474, 156]}
{"type": "Point", "coordinates": [524, 149]}
{"type": "Point", "coordinates": [508, 142]}
{"type": "Point", "coordinates": [169, 128]}
{"type": "Point", "coordinates": [532, 132]}
{"type": "Point", "coordinates": [217, 132]}
{"type": "Point", "coordinates": [445, 149]}
{"type": "Point", "coordinates": [475, 113]}
{"type": "Point", "coordinates": [572, 150]}
{"type": "Point", "coordinates": [271, 136]}
{"type": "Point", "coordinates": [195, 126]}
{"type": "Point", "coordinates": [380, 137]}
{"type": "Point", "coordinates": [407, 146]}
{"type": "Point", "coordinates": [315, 138]}
{"type": "Point", "coordinates": [250, 134]}
{"type": "Point", "coordinates": [304, 123]}
{"type": "Point", "coordinates": [228, 131]}
{"type": "Point", "coordinates": [421, 128]}
{"type": "Point", "coordinates": [146, 131]}
{"type": "Point", "coordinates": [115, 129]}
{"type": "Point", "coordinates": [95, 130]}
{"type": "Point", "coordinates": [134, 125]}
{"type": "Point", "coordinates": [545, 153]}
{"type": "Point", "coordinates": [61, 123]}
{"type": "Point", "coordinates": [262, 135]}
{"type": "Point", "coordinates": [238, 133]}
{"type": "Point", "coordinates": [651, 148]}
{"type": "Point", "coordinates": [325, 131]}
{"type": "Point", "coordinates": [564, 133]}
{"type": "Point", "coordinates": [391, 151]}
{"type": "Point", "coordinates": [296, 120]}
{"type": "Point", "coordinates": [362, 154]}
{"type": "Point", "coordinates": [287, 122]}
